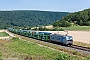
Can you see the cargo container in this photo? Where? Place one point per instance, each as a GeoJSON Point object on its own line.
{"type": "Point", "coordinates": [45, 36]}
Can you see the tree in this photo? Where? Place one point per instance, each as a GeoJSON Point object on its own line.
{"type": "Point", "coordinates": [24, 18]}
{"type": "Point", "coordinates": [62, 23]}
{"type": "Point", "coordinates": [81, 18]}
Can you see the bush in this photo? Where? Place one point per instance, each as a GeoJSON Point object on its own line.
{"type": "Point", "coordinates": [58, 29]}
{"type": "Point", "coordinates": [75, 52]}
{"type": "Point", "coordinates": [62, 57]}
{"type": "Point", "coordinates": [15, 38]}
{"type": "Point", "coordinates": [46, 29]}
{"type": "Point", "coordinates": [62, 23]}
{"type": "Point", "coordinates": [0, 54]}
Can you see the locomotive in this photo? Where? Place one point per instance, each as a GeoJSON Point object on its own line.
{"type": "Point", "coordinates": [46, 36]}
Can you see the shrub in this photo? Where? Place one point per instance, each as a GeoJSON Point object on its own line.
{"type": "Point", "coordinates": [15, 38]}
{"type": "Point", "coordinates": [58, 29]}
{"type": "Point", "coordinates": [62, 57]}
{"type": "Point", "coordinates": [0, 54]}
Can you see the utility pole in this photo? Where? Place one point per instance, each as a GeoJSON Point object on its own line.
{"type": "Point", "coordinates": [58, 30]}
{"type": "Point", "coordinates": [66, 32]}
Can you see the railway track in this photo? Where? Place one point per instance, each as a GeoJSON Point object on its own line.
{"type": "Point", "coordinates": [87, 49]}
{"type": "Point", "coordinates": [81, 48]}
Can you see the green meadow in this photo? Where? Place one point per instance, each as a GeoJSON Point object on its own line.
{"type": "Point", "coordinates": [36, 52]}
{"type": "Point", "coordinates": [2, 34]}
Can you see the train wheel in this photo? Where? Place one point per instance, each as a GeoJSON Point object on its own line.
{"type": "Point", "coordinates": [50, 41]}
{"type": "Point", "coordinates": [69, 45]}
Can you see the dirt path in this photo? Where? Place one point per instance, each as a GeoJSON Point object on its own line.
{"type": "Point", "coordinates": [10, 34]}
{"type": "Point", "coordinates": [6, 37]}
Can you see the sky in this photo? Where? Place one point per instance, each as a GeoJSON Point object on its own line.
{"type": "Point", "coordinates": [45, 5]}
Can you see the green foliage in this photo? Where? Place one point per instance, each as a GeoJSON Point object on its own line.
{"type": "Point", "coordinates": [46, 29]}
{"type": "Point", "coordinates": [81, 18]}
{"type": "Point", "coordinates": [58, 29]}
{"type": "Point", "coordinates": [15, 38]}
{"type": "Point", "coordinates": [31, 49]}
{"type": "Point", "coordinates": [0, 54]}
{"type": "Point", "coordinates": [75, 52]}
{"type": "Point", "coordinates": [25, 18]}
{"type": "Point", "coordinates": [63, 57]}
{"type": "Point", "coordinates": [2, 34]}
{"type": "Point", "coordinates": [62, 23]}
{"type": "Point", "coordinates": [88, 58]}
{"type": "Point", "coordinates": [77, 28]}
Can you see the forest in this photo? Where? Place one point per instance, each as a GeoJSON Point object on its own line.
{"type": "Point", "coordinates": [81, 18]}
{"type": "Point", "coordinates": [25, 18]}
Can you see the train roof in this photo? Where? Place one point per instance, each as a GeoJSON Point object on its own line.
{"type": "Point", "coordinates": [44, 33]}
{"type": "Point", "coordinates": [59, 35]}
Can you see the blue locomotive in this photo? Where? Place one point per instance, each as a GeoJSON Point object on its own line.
{"type": "Point", "coordinates": [66, 40]}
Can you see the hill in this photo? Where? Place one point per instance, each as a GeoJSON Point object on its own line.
{"type": "Point", "coordinates": [81, 18]}
{"type": "Point", "coordinates": [24, 18]}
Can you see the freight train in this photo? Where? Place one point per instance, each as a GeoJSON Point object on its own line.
{"type": "Point", "coordinates": [46, 36]}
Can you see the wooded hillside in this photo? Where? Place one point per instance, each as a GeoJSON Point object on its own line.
{"type": "Point", "coordinates": [81, 18]}
{"type": "Point", "coordinates": [23, 18]}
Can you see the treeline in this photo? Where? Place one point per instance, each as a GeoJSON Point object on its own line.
{"type": "Point", "coordinates": [81, 18]}
{"type": "Point", "coordinates": [40, 28]}
{"type": "Point", "coordinates": [25, 18]}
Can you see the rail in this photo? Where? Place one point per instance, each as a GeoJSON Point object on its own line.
{"type": "Point", "coordinates": [81, 48]}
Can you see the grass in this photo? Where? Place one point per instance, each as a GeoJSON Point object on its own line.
{"type": "Point", "coordinates": [81, 44]}
{"type": "Point", "coordinates": [3, 34]}
{"type": "Point", "coordinates": [73, 52]}
{"type": "Point", "coordinates": [0, 54]}
{"type": "Point", "coordinates": [77, 28]}
{"type": "Point", "coordinates": [36, 52]}
{"type": "Point", "coordinates": [32, 49]}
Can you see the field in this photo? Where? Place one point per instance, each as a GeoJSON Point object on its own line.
{"type": "Point", "coordinates": [3, 34]}
{"type": "Point", "coordinates": [22, 50]}
{"type": "Point", "coordinates": [77, 28]}
{"type": "Point", "coordinates": [73, 28]}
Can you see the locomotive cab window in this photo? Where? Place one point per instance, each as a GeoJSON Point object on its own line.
{"type": "Point", "coordinates": [69, 38]}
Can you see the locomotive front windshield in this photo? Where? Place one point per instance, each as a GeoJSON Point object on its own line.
{"type": "Point", "coordinates": [69, 38]}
